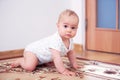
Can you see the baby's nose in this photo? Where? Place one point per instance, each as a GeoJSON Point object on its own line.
{"type": "Point", "coordinates": [69, 29]}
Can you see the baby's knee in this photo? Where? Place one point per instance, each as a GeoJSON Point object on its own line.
{"type": "Point", "coordinates": [29, 68]}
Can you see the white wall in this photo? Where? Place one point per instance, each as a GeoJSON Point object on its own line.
{"type": "Point", "coordinates": [79, 7]}
{"type": "Point", "coordinates": [25, 21]}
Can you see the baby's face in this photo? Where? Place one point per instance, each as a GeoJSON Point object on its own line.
{"type": "Point", "coordinates": [67, 27]}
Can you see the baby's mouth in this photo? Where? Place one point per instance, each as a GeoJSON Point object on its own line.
{"type": "Point", "coordinates": [69, 35]}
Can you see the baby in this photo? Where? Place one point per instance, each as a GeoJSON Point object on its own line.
{"type": "Point", "coordinates": [52, 48]}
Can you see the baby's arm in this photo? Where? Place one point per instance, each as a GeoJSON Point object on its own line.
{"type": "Point", "coordinates": [72, 57]}
{"type": "Point", "coordinates": [59, 64]}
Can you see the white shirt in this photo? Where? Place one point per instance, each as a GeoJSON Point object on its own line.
{"type": "Point", "coordinates": [42, 47]}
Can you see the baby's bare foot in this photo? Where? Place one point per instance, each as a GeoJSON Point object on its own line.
{"type": "Point", "coordinates": [15, 64]}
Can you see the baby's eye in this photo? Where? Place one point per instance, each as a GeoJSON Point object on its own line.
{"type": "Point", "coordinates": [65, 26]}
{"type": "Point", "coordinates": [73, 28]}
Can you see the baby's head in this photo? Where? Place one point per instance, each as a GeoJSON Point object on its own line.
{"type": "Point", "coordinates": [68, 23]}
{"type": "Point", "coordinates": [68, 13]}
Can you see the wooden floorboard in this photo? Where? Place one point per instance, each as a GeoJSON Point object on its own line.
{"type": "Point", "coordinates": [11, 53]}
{"type": "Point", "coordinates": [100, 56]}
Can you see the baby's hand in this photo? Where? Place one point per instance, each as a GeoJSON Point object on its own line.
{"type": "Point", "coordinates": [76, 66]}
{"type": "Point", "coordinates": [68, 73]}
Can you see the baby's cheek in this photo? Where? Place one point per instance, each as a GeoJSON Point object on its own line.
{"type": "Point", "coordinates": [73, 34]}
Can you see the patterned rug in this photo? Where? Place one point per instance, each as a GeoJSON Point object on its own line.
{"type": "Point", "coordinates": [42, 72]}
{"type": "Point", "coordinates": [93, 70]}
{"type": "Point", "coordinates": [105, 71]}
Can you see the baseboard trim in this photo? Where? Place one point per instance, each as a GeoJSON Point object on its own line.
{"type": "Point", "coordinates": [11, 53]}
{"type": "Point", "coordinates": [78, 48]}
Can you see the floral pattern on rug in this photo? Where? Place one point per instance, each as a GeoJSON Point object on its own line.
{"type": "Point", "coordinates": [42, 69]}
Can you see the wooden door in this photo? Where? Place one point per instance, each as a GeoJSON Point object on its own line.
{"type": "Point", "coordinates": [100, 35]}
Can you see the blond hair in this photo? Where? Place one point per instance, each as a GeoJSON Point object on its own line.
{"type": "Point", "coordinates": [68, 12]}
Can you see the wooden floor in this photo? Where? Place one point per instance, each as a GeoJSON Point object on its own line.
{"type": "Point", "coordinates": [100, 56]}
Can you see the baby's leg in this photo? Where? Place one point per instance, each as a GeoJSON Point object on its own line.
{"type": "Point", "coordinates": [28, 62]}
